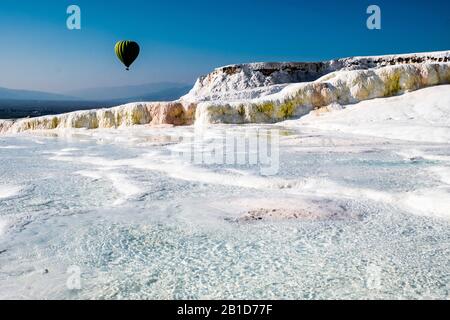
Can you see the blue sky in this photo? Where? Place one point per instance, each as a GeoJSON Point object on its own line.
{"type": "Point", "coordinates": [181, 40]}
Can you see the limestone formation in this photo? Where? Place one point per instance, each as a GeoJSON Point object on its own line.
{"type": "Point", "coordinates": [264, 92]}
{"type": "Point", "coordinates": [342, 87]}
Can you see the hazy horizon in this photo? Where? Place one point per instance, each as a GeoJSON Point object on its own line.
{"type": "Point", "coordinates": [70, 90]}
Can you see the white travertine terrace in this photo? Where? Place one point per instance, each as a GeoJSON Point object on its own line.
{"type": "Point", "coordinates": [342, 87]}
{"type": "Point", "coordinates": [252, 80]}
{"type": "Point", "coordinates": [264, 92]}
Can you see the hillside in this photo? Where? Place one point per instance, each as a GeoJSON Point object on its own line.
{"type": "Point", "coordinates": [266, 92]}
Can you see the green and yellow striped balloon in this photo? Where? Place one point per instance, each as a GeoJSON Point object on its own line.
{"type": "Point", "coordinates": [127, 52]}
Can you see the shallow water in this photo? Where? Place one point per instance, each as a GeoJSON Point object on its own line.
{"type": "Point", "coordinates": [134, 220]}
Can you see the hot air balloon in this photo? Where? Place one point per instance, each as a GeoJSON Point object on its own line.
{"type": "Point", "coordinates": [127, 52]}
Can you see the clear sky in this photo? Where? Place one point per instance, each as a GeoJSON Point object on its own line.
{"type": "Point", "coordinates": [181, 40]}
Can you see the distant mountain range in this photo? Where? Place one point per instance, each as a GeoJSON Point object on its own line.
{"type": "Point", "coordinates": [14, 94]}
{"type": "Point", "coordinates": [23, 103]}
{"type": "Point", "coordinates": [150, 91]}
